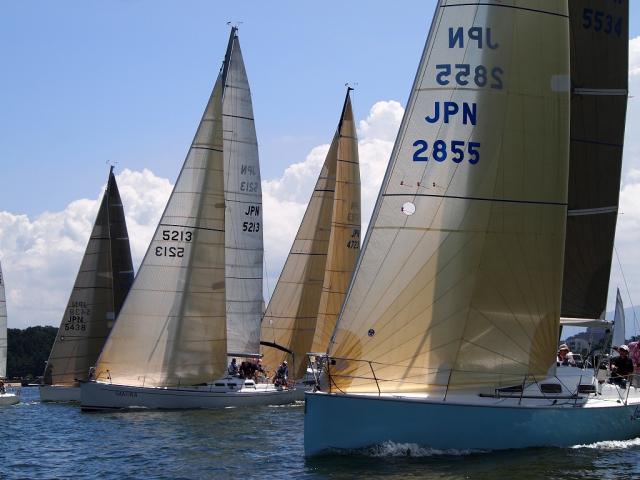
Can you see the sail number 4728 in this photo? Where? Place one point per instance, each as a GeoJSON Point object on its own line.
{"type": "Point", "coordinates": [456, 150]}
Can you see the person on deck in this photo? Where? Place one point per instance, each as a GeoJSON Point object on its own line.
{"type": "Point", "coordinates": [233, 368]}
{"type": "Point", "coordinates": [282, 375]}
{"type": "Point", "coordinates": [621, 367]}
{"type": "Point", "coordinates": [564, 356]}
{"type": "Point", "coordinates": [2, 389]}
{"type": "Point", "coordinates": [634, 353]}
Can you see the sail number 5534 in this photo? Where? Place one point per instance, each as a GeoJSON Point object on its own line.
{"type": "Point", "coordinates": [456, 150]}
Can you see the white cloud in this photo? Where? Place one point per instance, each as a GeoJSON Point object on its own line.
{"type": "Point", "coordinates": [634, 56]}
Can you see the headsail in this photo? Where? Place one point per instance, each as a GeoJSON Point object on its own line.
{"type": "Point", "coordinates": [599, 81]}
{"type": "Point", "coordinates": [459, 280]}
{"type": "Point", "coordinates": [243, 197]}
{"type": "Point", "coordinates": [102, 283]}
{"type": "Point", "coordinates": [3, 328]}
{"type": "Point", "coordinates": [302, 312]}
{"type": "Point", "coordinates": [619, 328]}
{"type": "Point", "coordinates": [171, 329]}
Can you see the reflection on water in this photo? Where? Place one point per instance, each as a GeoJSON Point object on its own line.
{"type": "Point", "coordinates": [57, 441]}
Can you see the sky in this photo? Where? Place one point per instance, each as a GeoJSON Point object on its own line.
{"type": "Point", "coordinates": [88, 83]}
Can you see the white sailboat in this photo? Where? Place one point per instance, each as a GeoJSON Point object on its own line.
{"type": "Point", "coordinates": [304, 307]}
{"type": "Point", "coordinates": [102, 284]}
{"type": "Point", "coordinates": [448, 333]}
{"type": "Point", "coordinates": [7, 398]}
{"type": "Point", "coordinates": [198, 294]}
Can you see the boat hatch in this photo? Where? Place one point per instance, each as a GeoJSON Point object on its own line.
{"type": "Point", "coordinates": [550, 388]}
{"type": "Point", "coordinates": [587, 388]}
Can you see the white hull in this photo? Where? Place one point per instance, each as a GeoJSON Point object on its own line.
{"type": "Point", "coordinates": [9, 399]}
{"type": "Point", "coordinates": [102, 396]}
{"type": "Point", "coordinates": [59, 393]}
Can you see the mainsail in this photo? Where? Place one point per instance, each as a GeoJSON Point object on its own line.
{"type": "Point", "coordinates": [183, 306]}
{"type": "Point", "coordinates": [459, 280]}
{"type": "Point", "coordinates": [599, 82]}
{"type": "Point", "coordinates": [102, 283]}
{"type": "Point", "coordinates": [307, 299]}
{"type": "Point", "coordinates": [243, 197]}
{"type": "Point", "coordinates": [3, 328]}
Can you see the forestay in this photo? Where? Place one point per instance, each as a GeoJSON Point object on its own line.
{"type": "Point", "coordinates": [302, 312]}
{"type": "Point", "coordinates": [599, 83]}
{"type": "Point", "coordinates": [460, 276]}
{"type": "Point", "coordinates": [171, 329]}
{"type": "Point", "coordinates": [102, 283]}
{"type": "Point", "coordinates": [243, 196]}
{"type": "Point", "coordinates": [3, 328]}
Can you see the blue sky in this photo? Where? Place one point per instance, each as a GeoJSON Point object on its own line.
{"type": "Point", "coordinates": [88, 82]}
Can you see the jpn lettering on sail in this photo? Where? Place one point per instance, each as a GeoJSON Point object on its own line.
{"type": "Point", "coordinates": [3, 328]}
{"type": "Point", "coordinates": [243, 197]}
{"type": "Point", "coordinates": [102, 283]}
{"type": "Point", "coordinates": [171, 330]}
{"type": "Point", "coordinates": [599, 88]}
{"type": "Point", "coordinates": [290, 318]}
{"type": "Point", "coordinates": [459, 280]}
{"type": "Point", "coordinates": [344, 243]}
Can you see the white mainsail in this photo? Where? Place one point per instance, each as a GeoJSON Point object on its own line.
{"type": "Point", "coordinates": [102, 283]}
{"type": "Point", "coordinates": [618, 322]}
{"type": "Point", "coordinates": [459, 280]}
{"type": "Point", "coordinates": [3, 328]}
{"type": "Point", "coordinates": [307, 299]}
{"type": "Point", "coordinates": [243, 198]}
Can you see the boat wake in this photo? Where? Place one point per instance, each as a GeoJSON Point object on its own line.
{"type": "Point", "coordinates": [296, 404]}
{"type": "Point", "coordinates": [611, 444]}
{"type": "Point", "coordinates": [392, 449]}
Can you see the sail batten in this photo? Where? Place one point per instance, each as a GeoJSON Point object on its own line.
{"type": "Point", "coordinates": [458, 281]}
{"type": "Point", "coordinates": [104, 278]}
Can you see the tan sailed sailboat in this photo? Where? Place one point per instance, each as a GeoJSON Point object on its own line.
{"type": "Point", "coordinates": [102, 284]}
{"type": "Point", "coordinates": [306, 302]}
{"type": "Point", "coordinates": [449, 331]}
{"type": "Point", "coordinates": [6, 398]}
{"type": "Point", "coordinates": [197, 297]}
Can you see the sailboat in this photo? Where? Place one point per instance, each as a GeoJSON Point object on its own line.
{"type": "Point", "coordinates": [449, 330]}
{"type": "Point", "coordinates": [102, 284]}
{"type": "Point", "coordinates": [7, 398]}
{"type": "Point", "coordinates": [307, 299]}
{"type": "Point", "coordinates": [197, 297]}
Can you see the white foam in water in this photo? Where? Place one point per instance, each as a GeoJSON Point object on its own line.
{"type": "Point", "coordinates": [392, 449]}
{"type": "Point", "coordinates": [611, 444]}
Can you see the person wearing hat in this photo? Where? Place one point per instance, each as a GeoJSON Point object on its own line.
{"type": "Point", "coordinates": [621, 367]}
{"type": "Point", "coordinates": [564, 355]}
{"type": "Point", "coordinates": [282, 375]}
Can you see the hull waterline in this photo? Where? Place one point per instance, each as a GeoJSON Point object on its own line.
{"type": "Point", "coordinates": [345, 422]}
{"type": "Point", "coordinates": [97, 396]}
{"type": "Point", "coordinates": [59, 393]}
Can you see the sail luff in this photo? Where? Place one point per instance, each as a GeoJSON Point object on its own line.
{"type": "Point", "coordinates": [459, 280]}
{"type": "Point", "coordinates": [92, 306]}
{"type": "Point", "coordinates": [243, 198]}
{"type": "Point", "coordinates": [171, 329]}
{"type": "Point", "coordinates": [599, 80]}
{"type": "Point", "coordinates": [3, 327]}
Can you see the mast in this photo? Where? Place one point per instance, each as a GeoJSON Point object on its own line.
{"type": "Point", "coordinates": [3, 328]}
{"type": "Point", "coordinates": [599, 90]}
{"type": "Point", "coordinates": [102, 283]}
{"type": "Point", "coordinates": [302, 310]}
{"type": "Point", "coordinates": [458, 284]}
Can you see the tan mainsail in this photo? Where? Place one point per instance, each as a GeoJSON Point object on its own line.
{"type": "Point", "coordinates": [243, 196]}
{"type": "Point", "coordinates": [171, 329]}
{"type": "Point", "coordinates": [3, 328]}
{"type": "Point", "coordinates": [459, 280]}
{"type": "Point", "coordinates": [315, 277]}
{"type": "Point", "coordinates": [102, 283]}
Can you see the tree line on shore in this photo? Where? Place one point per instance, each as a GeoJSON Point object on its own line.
{"type": "Point", "coordinates": [28, 350]}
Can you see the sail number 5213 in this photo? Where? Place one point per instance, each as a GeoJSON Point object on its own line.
{"type": "Point", "coordinates": [440, 150]}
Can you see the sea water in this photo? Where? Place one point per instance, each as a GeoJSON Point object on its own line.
{"type": "Point", "coordinates": [44, 441]}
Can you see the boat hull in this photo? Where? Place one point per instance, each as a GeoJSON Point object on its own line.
{"type": "Point", "coordinates": [95, 396]}
{"type": "Point", "coordinates": [343, 422]}
{"type": "Point", "coordinates": [9, 399]}
{"type": "Point", "coordinates": [59, 393]}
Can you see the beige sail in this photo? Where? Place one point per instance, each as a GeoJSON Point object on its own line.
{"type": "Point", "coordinates": [316, 273]}
{"type": "Point", "coordinates": [459, 280]}
{"type": "Point", "coordinates": [102, 283]}
{"type": "Point", "coordinates": [171, 329]}
{"type": "Point", "coordinates": [3, 328]}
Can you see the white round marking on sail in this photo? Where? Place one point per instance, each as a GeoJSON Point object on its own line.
{"type": "Point", "coordinates": [408, 209]}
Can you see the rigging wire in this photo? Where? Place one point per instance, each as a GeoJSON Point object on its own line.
{"type": "Point", "coordinates": [626, 286]}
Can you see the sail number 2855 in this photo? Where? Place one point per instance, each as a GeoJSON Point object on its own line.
{"type": "Point", "coordinates": [456, 150]}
